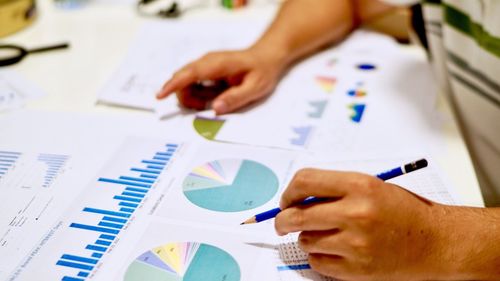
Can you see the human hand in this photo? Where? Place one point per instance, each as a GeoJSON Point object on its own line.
{"type": "Point", "coordinates": [250, 75]}
{"type": "Point", "coordinates": [370, 230]}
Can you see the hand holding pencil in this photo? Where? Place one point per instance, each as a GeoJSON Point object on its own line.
{"type": "Point", "coordinates": [362, 231]}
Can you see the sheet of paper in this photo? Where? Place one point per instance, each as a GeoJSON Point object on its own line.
{"type": "Point", "coordinates": [161, 48]}
{"type": "Point", "coordinates": [16, 90]}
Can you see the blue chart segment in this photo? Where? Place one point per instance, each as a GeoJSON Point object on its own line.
{"type": "Point", "coordinates": [54, 163]}
{"type": "Point", "coordinates": [230, 185]}
{"type": "Point", "coordinates": [358, 110]}
{"type": "Point", "coordinates": [129, 191]}
{"type": "Point", "coordinates": [184, 261]}
{"type": "Point", "coordinates": [302, 135]}
{"type": "Point", "coordinates": [8, 161]}
{"type": "Point", "coordinates": [318, 108]}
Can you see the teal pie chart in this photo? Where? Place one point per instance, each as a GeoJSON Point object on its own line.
{"type": "Point", "coordinates": [184, 261]}
{"type": "Point", "coordinates": [230, 185]}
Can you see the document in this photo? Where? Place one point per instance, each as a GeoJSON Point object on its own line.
{"type": "Point", "coordinates": [15, 90]}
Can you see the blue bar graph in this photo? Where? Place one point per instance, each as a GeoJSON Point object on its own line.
{"type": "Point", "coordinates": [94, 228]}
{"type": "Point", "coordinates": [133, 194]}
{"type": "Point", "coordinates": [148, 176]}
{"type": "Point", "coordinates": [96, 248]}
{"type": "Point", "coordinates": [74, 265]}
{"type": "Point", "coordinates": [111, 225]}
{"type": "Point", "coordinates": [137, 179]}
{"type": "Point", "coordinates": [102, 242]}
{"type": "Point", "coordinates": [83, 274]}
{"type": "Point", "coordinates": [155, 167]}
{"type": "Point", "coordinates": [131, 188]}
{"type": "Point", "coordinates": [145, 171]}
{"type": "Point", "coordinates": [124, 182]}
{"type": "Point", "coordinates": [164, 154]}
{"type": "Point", "coordinates": [127, 204]}
{"type": "Point", "coordinates": [294, 267]}
{"type": "Point", "coordinates": [128, 199]}
{"type": "Point", "coordinates": [55, 163]}
{"type": "Point", "coordinates": [161, 163]}
{"type": "Point", "coordinates": [10, 152]}
{"type": "Point", "coordinates": [161, 158]}
{"type": "Point", "coordinates": [128, 210]}
{"type": "Point", "coordinates": [105, 212]}
{"type": "Point", "coordinates": [67, 278]}
{"type": "Point", "coordinates": [79, 259]}
{"type": "Point", "coordinates": [107, 237]}
{"type": "Point", "coordinates": [106, 218]}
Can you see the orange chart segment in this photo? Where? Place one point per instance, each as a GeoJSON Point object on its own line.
{"type": "Point", "coordinates": [326, 83]}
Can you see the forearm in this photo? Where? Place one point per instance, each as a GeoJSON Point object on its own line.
{"type": "Point", "coordinates": [303, 26]}
{"type": "Point", "coordinates": [472, 236]}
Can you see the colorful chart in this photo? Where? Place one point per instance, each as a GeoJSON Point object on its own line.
{"type": "Point", "coordinates": [357, 91]}
{"type": "Point", "coordinates": [184, 261]}
{"type": "Point", "coordinates": [327, 84]}
{"type": "Point", "coordinates": [358, 110]}
{"type": "Point", "coordinates": [302, 135]}
{"type": "Point", "coordinates": [366, 66]}
{"type": "Point", "coordinates": [318, 108]}
{"type": "Point", "coordinates": [230, 185]}
{"type": "Point", "coordinates": [208, 127]}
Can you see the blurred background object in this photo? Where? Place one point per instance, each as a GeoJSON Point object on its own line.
{"type": "Point", "coordinates": [15, 15]}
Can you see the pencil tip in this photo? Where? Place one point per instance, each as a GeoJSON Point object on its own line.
{"type": "Point", "coordinates": [242, 223]}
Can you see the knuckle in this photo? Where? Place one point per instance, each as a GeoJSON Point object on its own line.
{"type": "Point", "coordinates": [303, 176]}
{"type": "Point", "coordinates": [317, 264]}
{"type": "Point", "coordinates": [365, 184]}
{"type": "Point", "coordinates": [304, 242]}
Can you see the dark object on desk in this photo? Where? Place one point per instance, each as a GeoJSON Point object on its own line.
{"type": "Point", "coordinates": [166, 8]}
{"type": "Point", "coordinates": [16, 15]}
{"type": "Point", "coordinates": [199, 96]}
{"type": "Point", "coordinates": [11, 54]}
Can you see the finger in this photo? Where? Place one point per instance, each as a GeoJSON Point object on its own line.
{"type": "Point", "coordinates": [211, 66]}
{"type": "Point", "coordinates": [323, 184]}
{"type": "Point", "coordinates": [237, 97]}
{"type": "Point", "coordinates": [328, 242]}
{"type": "Point", "coordinates": [314, 217]}
{"type": "Point", "coordinates": [334, 266]}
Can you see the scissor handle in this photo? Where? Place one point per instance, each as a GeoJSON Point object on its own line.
{"type": "Point", "coordinates": [49, 48]}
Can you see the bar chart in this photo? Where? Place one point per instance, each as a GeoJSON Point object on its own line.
{"type": "Point", "coordinates": [136, 171]}
{"type": "Point", "coordinates": [8, 160]}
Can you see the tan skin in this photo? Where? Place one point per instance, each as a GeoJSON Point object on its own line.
{"type": "Point", "coordinates": [372, 230]}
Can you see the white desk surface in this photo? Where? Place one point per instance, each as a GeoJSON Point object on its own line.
{"type": "Point", "coordinates": [100, 34]}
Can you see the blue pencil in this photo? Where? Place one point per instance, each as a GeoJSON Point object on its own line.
{"type": "Point", "coordinates": [396, 172]}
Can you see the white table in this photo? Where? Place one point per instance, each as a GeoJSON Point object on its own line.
{"type": "Point", "coordinates": [100, 34]}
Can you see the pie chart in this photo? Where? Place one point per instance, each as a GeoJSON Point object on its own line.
{"type": "Point", "coordinates": [230, 185]}
{"type": "Point", "coordinates": [184, 261]}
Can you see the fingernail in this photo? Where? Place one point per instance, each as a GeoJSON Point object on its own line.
{"type": "Point", "coordinates": [220, 106]}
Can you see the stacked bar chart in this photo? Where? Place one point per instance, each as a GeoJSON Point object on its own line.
{"type": "Point", "coordinates": [8, 160]}
{"type": "Point", "coordinates": [130, 190]}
